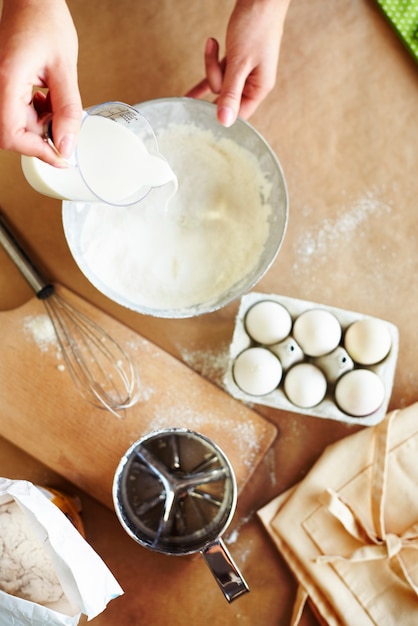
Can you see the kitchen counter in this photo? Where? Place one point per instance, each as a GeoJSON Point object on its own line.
{"type": "Point", "coordinates": [342, 121]}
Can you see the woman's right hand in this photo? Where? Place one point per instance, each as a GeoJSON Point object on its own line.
{"type": "Point", "coordinates": [38, 49]}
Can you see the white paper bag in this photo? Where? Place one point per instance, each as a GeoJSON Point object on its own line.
{"type": "Point", "coordinates": [86, 581]}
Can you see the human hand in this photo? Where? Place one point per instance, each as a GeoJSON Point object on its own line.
{"type": "Point", "coordinates": [38, 49]}
{"type": "Point", "coordinates": [247, 73]}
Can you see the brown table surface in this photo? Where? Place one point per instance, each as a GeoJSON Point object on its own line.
{"type": "Point", "coordinates": [342, 120]}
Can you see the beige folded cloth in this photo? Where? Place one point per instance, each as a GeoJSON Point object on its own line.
{"type": "Point", "coordinates": [349, 530]}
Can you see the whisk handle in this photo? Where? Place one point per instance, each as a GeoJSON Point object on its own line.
{"type": "Point", "coordinates": [41, 287]}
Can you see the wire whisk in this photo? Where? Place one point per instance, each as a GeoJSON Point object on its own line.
{"type": "Point", "coordinates": [101, 370]}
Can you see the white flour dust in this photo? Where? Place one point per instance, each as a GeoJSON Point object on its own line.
{"type": "Point", "coordinates": [26, 569]}
{"type": "Point", "coordinates": [233, 536]}
{"type": "Point", "coordinates": [269, 462]}
{"type": "Point", "coordinates": [208, 237]}
{"type": "Point", "coordinates": [169, 412]}
{"type": "Point", "coordinates": [211, 364]}
{"type": "Point", "coordinates": [243, 547]}
{"type": "Point", "coordinates": [41, 329]}
{"type": "Point", "coordinates": [331, 234]}
{"type": "Point", "coordinates": [244, 433]}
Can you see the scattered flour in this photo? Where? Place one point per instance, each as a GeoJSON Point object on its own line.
{"type": "Point", "coordinates": [244, 433]}
{"type": "Point", "coordinates": [269, 462]}
{"type": "Point", "coordinates": [232, 537]}
{"type": "Point", "coordinates": [329, 234]}
{"type": "Point", "coordinates": [244, 547]}
{"type": "Point", "coordinates": [26, 569]}
{"type": "Point", "coordinates": [211, 364]}
{"type": "Point", "coordinates": [41, 330]}
{"type": "Point", "coordinates": [206, 239]}
{"type": "Point", "coordinates": [145, 393]}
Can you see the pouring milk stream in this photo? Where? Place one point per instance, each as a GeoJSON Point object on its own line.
{"type": "Point", "coordinates": [116, 161]}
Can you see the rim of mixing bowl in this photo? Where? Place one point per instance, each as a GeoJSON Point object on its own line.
{"type": "Point", "coordinates": [72, 211]}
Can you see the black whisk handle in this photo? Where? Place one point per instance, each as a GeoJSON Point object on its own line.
{"type": "Point", "coordinates": [41, 287]}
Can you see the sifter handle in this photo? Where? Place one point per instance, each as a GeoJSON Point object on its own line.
{"type": "Point", "coordinates": [41, 287]}
{"type": "Point", "coordinates": [226, 573]}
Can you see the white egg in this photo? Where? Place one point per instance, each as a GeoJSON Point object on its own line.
{"type": "Point", "coordinates": [268, 322]}
{"type": "Point", "coordinates": [368, 341]}
{"type": "Point", "coordinates": [257, 371]}
{"type": "Point", "coordinates": [305, 385]}
{"type": "Point", "coordinates": [317, 331]}
{"type": "Point", "coordinates": [359, 392]}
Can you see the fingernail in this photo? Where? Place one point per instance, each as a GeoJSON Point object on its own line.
{"type": "Point", "coordinates": [226, 116]}
{"type": "Point", "coordinates": [67, 146]}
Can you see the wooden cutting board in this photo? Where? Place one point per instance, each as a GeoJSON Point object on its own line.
{"type": "Point", "coordinates": [41, 411]}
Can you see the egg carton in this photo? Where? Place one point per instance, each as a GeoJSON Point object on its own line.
{"type": "Point", "coordinates": [327, 408]}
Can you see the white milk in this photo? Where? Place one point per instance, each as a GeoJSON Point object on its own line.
{"type": "Point", "coordinates": [111, 164]}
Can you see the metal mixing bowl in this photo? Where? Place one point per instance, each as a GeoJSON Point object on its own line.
{"type": "Point", "coordinates": [161, 114]}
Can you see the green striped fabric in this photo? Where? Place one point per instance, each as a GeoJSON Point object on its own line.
{"type": "Point", "coordinates": [403, 15]}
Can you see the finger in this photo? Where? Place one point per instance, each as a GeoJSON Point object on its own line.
{"type": "Point", "coordinates": [30, 142]}
{"type": "Point", "coordinates": [23, 133]}
{"type": "Point", "coordinates": [249, 106]}
{"type": "Point", "coordinates": [214, 72]}
{"type": "Point", "coordinates": [67, 113]}
{"type": "Point", "coordinates": [229, 101]}
{"type": "Point", "coordinates": [257, 86]}
{"type": "Point", "coordinates": [214, 68]}
{"type": "Point", "coordinates": [200, 90]}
